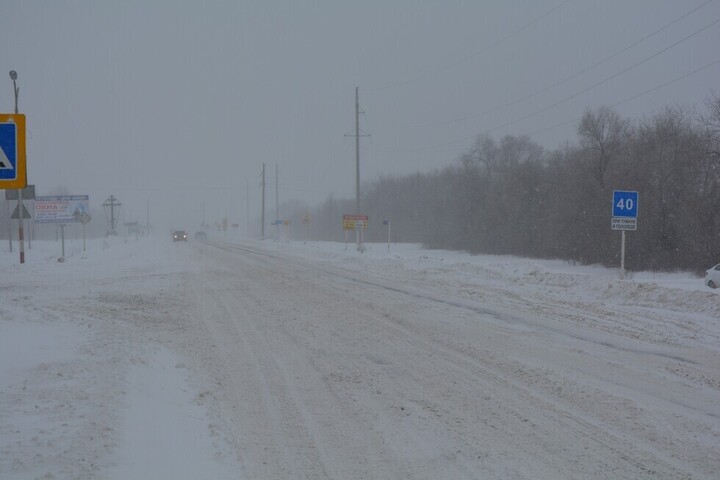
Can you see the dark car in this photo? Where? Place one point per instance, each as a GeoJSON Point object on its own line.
{"type": "Point", "coordinates": [202, 236]}
{"type": "Point", "coordinates": [179, 236]}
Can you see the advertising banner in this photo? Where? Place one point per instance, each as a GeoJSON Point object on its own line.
{"type": "Point", "coordinates": [355, 222]}
{"type": "Point", "coordinates": [61, 208]}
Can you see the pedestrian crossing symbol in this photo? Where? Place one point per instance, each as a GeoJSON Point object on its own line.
{"type": "Point", "coordinates": [12, 151]}
{"type": "Point", "coordinates": [8, 135]}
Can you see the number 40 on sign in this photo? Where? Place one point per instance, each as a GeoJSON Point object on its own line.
{"type": "Point", "coordinates": [624, 217]}
{"type": "Point", "coordinates": [625, 204]}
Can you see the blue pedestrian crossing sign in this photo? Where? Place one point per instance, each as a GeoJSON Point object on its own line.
{"type": "Point", "coordinates": [13, 173]}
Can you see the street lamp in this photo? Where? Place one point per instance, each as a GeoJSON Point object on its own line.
{"type": "Point", "coordinates": [16, 89]}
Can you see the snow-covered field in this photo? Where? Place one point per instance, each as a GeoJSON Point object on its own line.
{"type": "Point", "coordinates": [272, 360]}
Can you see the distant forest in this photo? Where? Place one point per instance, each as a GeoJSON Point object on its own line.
{"type": "Point", "coordinates": [511, 196]}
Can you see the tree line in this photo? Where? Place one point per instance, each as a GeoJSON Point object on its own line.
{"type": "Point", "coordinates": [511, 196]}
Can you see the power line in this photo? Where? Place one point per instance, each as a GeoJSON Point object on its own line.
{"type": "Point", "coordinates": [605, 80]}
{"type": "Point", "coordinates": [575, 119]}
{"type": "Point", "coordinates": [577, 94]}
{"type": "Point", "coordinates": [474, 55]}
{"type": "Point", "coordinates": [574, 75]}
{"type": "Point", "coordinates": [646, 92]}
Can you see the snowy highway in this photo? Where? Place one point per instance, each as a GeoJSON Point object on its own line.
{"type": "Point", "coordinates": [275, 361]}
{"type": "Point", "coordinates": [352, 376]}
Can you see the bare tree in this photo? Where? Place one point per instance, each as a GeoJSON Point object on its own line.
{"type": "Point", "coordinates": [512, 197]}
{"type": "Point", "coordinates": [604, 133]}
{"type": "Point", "coordinates": [712, 121]}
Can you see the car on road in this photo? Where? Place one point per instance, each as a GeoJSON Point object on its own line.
{"type": "Point", "coordinates": [202, 236]}
{"type": "Point", "coordinates": [179, 236]}
{"type": "Point", "coordinates": [712, 277]}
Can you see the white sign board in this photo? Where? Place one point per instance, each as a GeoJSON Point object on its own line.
{"type": "Point", "coordinates": [61, 208]}
{"type": "Point", "coordinates": [623, 223]}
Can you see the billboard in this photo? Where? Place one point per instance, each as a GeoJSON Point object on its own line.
{"type": "Point", "coordinates": [355, 222]}
{"type": "Point", "coordinates": [61, 208]}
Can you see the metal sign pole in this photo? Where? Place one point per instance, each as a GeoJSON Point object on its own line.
{"type": "Point", "coordinates": [622, 255]}
{"type": "Point", "coordinates": [16, 90]}
{"type": "Point", "coordinates": [20, 226]}
{"type": "Point", "coordinates": [62, 237]}
{"type": "Point", "coordinates": [31, 227]}
{"type": "Point", "coordinates": [30, 232]}
{"type": "Point", "coordinates": [9, 223]}
{"type": "Point", "coordinates": [624, 217]}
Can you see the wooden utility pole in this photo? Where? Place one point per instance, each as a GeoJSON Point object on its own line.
{"type": "Point", "coordinates": [247, 208]}
{"type": "Point", "coordinates": [112, 202]}
{"type": "Point", "coordinates": [357, 136]}
{"type": "Point", "coordinates": [262, 207]}
{"type": "Point", "coordinates": [357, 151]}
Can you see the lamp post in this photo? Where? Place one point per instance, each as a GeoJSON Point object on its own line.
{"type": "Point", "coordinates": [16, 90]}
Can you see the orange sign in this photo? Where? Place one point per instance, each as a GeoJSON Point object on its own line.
{"type": "Point", "coordinates": [355, 222]}
{"type": "Point", "coordinates": [13, 172]}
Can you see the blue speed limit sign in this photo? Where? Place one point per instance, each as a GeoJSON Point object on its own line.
{"type": "Point", "coordinates": [625, 204]}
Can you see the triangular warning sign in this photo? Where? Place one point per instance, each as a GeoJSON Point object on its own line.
{"type": "Point", "coordinates": [4, 162]}
{"type": "Point", "coordinates": [26, 214]}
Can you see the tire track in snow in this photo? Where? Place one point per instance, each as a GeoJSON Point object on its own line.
{"type": "Point", "coordinates": [618, 443]}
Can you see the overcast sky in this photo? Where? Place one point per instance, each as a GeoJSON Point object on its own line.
{"type": "Point", "coordinates": [180, 102]}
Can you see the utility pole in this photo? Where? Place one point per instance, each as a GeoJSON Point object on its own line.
{"type": "Point", "coordinates": [247, 208]}
{"type": "Point", "coordinates": [357, 136]}
{"type": "Point", "coordinates": [112, 202]}
{"type": "Point", "coordinates": [357, 151]}
{"type": "Point", "coordinates": [262, 207]}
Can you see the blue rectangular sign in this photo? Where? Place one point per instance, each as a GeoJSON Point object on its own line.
{"type": "Point", "coordinates": [13, 173]}
{"type": "Point", "coordinates": [8, 151]}
{"type": "Point", "coordinates": [625, 204]}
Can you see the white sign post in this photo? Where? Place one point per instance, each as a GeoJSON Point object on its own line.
{"type": "Point", "coordinates": [387, 222]}
{"type": "Point", "coordinates": [624, 217]}
{"type": "Point", "coordinates": [63, 209]}
{"type": "Point", "coordinates": [359, 223]}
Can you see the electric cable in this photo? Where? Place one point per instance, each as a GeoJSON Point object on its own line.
{"type": "Point", "coordinates": [572, 76]}
{"type": "Point", "coordinates": [474, 55]}
{"type": "Point", "coordinates": [577, 94]}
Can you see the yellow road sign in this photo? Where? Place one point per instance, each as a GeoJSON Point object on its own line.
{"type": "Point", "coordinates": [13, 171]}
{"type": "Point", "coordinates": [355, 222]}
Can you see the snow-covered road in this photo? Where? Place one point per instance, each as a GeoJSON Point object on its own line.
{"type": "Point", "coordinates": [272, 361]}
